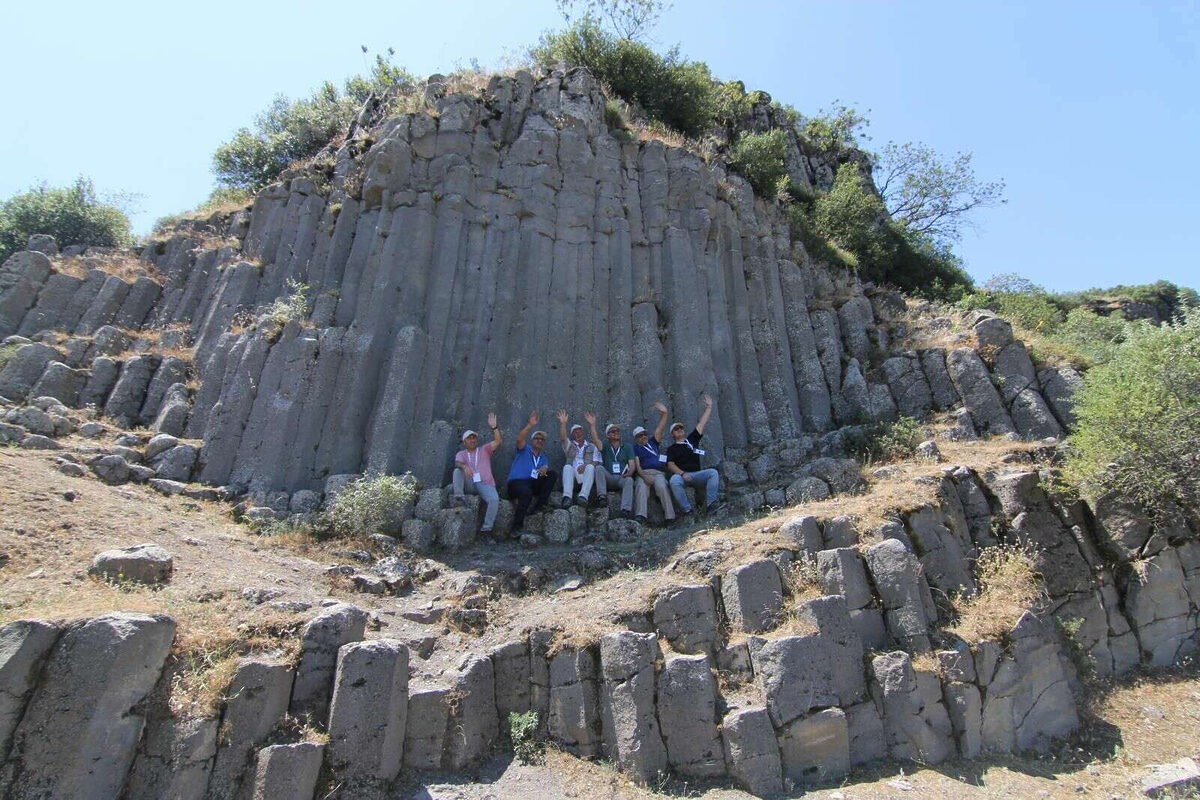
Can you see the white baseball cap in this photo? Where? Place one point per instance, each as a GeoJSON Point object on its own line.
{"type": "Point", "coordinates": [639, 430]}
{"type": "Point", "coordinates": [675, 425]}
{"type": "Point", "coordinates": [576, 428]}
{"type": "Point", "coordinates": [468, 433]}
{"type": "Point", "coordinates": [537, 434]}
{"type": "Point", "coordinates": [610, 427]}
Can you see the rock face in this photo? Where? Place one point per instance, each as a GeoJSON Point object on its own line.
{"type": "Point", "coordinates": [80, 730]}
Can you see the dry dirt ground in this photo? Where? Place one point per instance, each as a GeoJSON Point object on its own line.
{"type": "Point", "coordinates": [52, 525]}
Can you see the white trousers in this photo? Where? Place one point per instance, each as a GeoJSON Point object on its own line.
{"type": "Point", "coordinates": [571, 477]}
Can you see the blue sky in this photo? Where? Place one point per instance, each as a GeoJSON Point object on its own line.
{"type": "Point", "coordinates": [1089, 111]}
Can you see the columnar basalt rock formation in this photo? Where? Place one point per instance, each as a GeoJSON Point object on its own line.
{"type": "Point", "coordinates": [504, 251]}
{"type": "Point", "coordinates": [732, 676]}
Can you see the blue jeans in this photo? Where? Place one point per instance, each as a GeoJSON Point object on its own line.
{"type": "Point", "coordinates": [709, 477]}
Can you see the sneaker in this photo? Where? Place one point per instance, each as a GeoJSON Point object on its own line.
{"type": "Point", "coordinates": [581, 501]}
{"type": "Point", "coordinates": [640, 519]}
{"type": "Point", "coordinates": [566, 502]}
{"type": "Point", "coordinates": [714, 507]}
{"type": "Point", "coordinates": [460, 499]}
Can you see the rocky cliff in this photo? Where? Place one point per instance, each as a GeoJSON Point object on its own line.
{"type": "Point", "coordinates": [505, 251]}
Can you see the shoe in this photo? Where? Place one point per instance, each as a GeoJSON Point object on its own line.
{"type": "Point", "coordinates": [714, 506]}
{"type": "Point", "coordinates": [640, 519]}
{"type": "Point", "coordinates": [566, 502]}
{"type": "Point", "coordinates": [581, 501]}
{"type": "Point", "coordinates": [460, 500]}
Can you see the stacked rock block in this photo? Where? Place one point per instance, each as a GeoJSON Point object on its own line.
{"type": "Point", "coordinates": [730, 676]}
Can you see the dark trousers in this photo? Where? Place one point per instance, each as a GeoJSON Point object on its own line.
{"type": "Point", "coordinates": [528, 495]}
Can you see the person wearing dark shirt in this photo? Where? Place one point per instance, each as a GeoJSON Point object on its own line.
{"type": "Point", "coordinates": [683, 462]}
{"type": "Point", "coordinates": [529, 478]}
{"type": "Point", "coordinates": [651, 468]}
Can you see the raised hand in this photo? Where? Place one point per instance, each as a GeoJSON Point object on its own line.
{"type": "Point", "coordinates": [533, 418]}
{"type": "Point", "coordinates": [660, 408]}
{"type": "Point", "coordinates": [562, 416]}
{"type": "Point", "coordinates": [492, 420]}
{"type": "Point", "coordinates": [707, 401]}
{"type": "Point", "coordinates": [590, 417]}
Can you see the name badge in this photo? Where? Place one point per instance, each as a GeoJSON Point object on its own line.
{"type": "Point", "coordinates": [699, 452]}
{"type": "Point", "coordinates": [616, 468]}
{"type": "Point", "coordinates": [476, 477]}
{"type": "Point", "coordinates": [533, 474]}
{"type": "Point", "coordinates": [662, 458]}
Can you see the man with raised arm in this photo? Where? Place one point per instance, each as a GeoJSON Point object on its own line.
{"type": "Point", "coordinates": [651, 467]}
{"type": "Point", "coordinates": [529, 478]}
{"type": "Point", "coordinates": [617, 464]}
{"type": "Point", "coordinates": [683, 462]}
{"type": "Point", "coordinates": [473, 472]}
{"type": "Point", "coordinates": [582, 457]}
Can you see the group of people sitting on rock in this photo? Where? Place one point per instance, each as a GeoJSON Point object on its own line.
{"type": "Point", "coordinates": [609, 464]}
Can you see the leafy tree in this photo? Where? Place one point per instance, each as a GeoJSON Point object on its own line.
{"type": "Point", "coordinates": [837, 128]}
{"type": "Point", "coordinates": [929, 195]}
{"type": "Point", "coordinates": [73, 214]}
{"type": "Point", "coordinates": [291, 130]}
{"type": "Point", "coordinates": [759, 157]}
{"type": "Point", "coordinates": [1138, 431]}
{"type": "Point", "coordinates": [628, 19]}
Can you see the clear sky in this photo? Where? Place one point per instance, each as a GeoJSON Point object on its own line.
{"type": "Point", "coordinates": [1090, 111]}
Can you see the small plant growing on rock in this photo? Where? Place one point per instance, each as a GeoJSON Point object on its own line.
{"type": "Point", "coordinates": [293, 306]}
{"type": "Point", "coordinates": [1008, 587]}
{"type": "Point", "coordinates": [522, 729]}
{"type": "Point", "coordinates": [375, 504]}
{"type": "Point", "coordinates": [884, 442]}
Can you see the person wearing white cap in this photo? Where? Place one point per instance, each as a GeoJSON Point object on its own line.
{"type": "Point", "coordinates": [529, 478]}
{"type": "Point", "coordinates": [582, 457]}
{"type": "Point", "coordinates": [651, 468]}
{"type": "Point", "coordinates": [683, 462]}
{"type": "Point", "coordinates": [617, 464]}
{"type": "Point", "coordinates": [473, 472]}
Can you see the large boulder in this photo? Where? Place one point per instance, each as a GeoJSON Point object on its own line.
{"type": "Point", "coordinates": [753, 596]}
{"type": "Point", "coordinates": [632, 737]}
{"type": "Point", "coordinates": [24, 645]}
{"type": "Point", "coordinates": [687, 701]}
{"type": "Point", "coordinates": [256, 701]}
{"type": "Point", "coordinates": [320, 642]}
{"type": "Point", "coordinates": [368, 713]}
{"type": "Point", "coordinates": [687, 617]}
{"type": "Point", "coordinates": [79, 732]}
{"type": "Point", "coordinates": [147, 564]}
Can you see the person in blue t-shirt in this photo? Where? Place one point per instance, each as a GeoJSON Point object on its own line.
{"type": "Point", "coordinates": [529, 478]}
{"type": "Point", "coordinates": [651, 468]}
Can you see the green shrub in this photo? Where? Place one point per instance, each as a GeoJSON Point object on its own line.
{"type": "Point", "coordinates": [1138, 430]}
{"type": "Point", "coordinates": [292, 306]}
{"type": "Point", "coordinates": [289, 130]}
{"type": "Point", "coordinates": [679, 93]}
{"type": "Point", "coordinates": [885, 441]}
{"type": "Point", "coordinates": [292, 130]}
{"type": "Point", "coordinates": [1094, 337]}
{"type": "Point", "coordinates": [373, 504]}
{"type": "Point", "coordinates": [759, 158]}
{"type": "Point", "coordinates": [835, 129]}
{"type": "Point", "coordinates": [73, 215]}
{"type": "Point", "coordinates": [522, 729]}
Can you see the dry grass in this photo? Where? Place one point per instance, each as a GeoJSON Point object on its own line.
{"type": "Point", "coordinates": [801, 581]}
{"type": "Point", "coordinates": [1008, 587]}
{"type": "Point", "coordinates": [125, 266]}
